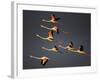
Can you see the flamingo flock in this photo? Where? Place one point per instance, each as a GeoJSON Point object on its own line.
{"type": "Point", "coordinates": [50, 38]}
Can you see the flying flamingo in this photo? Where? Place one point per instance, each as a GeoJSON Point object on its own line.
{"type": "Point", "coordinates": [55, 49]}
{"type": "Point", "coordinates": [49, 38]}
{"type": "Point", "coordinates": [53, 19]}
{"type": "Point", "coordinates": [54, 28]}
{"type": "Point", "coordinates": [43, 59]}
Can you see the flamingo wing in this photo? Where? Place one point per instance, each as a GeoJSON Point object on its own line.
{"type": "Point", "coordinates": [50, 33]}
{"type": "Point", "coordinates": [56, 19]}
{"type": "Point", "coordinates": [53, 17]}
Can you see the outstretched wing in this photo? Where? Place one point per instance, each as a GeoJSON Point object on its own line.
{"type": "Point", "coordinates": [53, 17]}
{"type": "Point", "coordinates": [81, 48]}
{"type": "Point", "coordinates": [50, 33]}
{"type": "Point", "coordinates": [70, 44]}
{"type": "Point", "coordinates": [44, 62]}
{"type": "Point", "coordinates": [56, 19]}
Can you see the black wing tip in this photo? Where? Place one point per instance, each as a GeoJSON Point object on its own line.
{"type": "Point", "coordinates": [81, 48]}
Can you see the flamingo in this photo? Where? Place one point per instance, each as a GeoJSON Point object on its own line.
{"type": "Point", "coordinates": [54, 28]}
{"type": "Point", "coordinates": [53, 19]}
{"type": "Point", "coordinates": [49, 38]}
{"type": "Point", "coordinates": [43, 59]}
{"type": "Point", "coordinates": [81, 50]}
{"type": "Point", "coordinates": [55, 49]}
